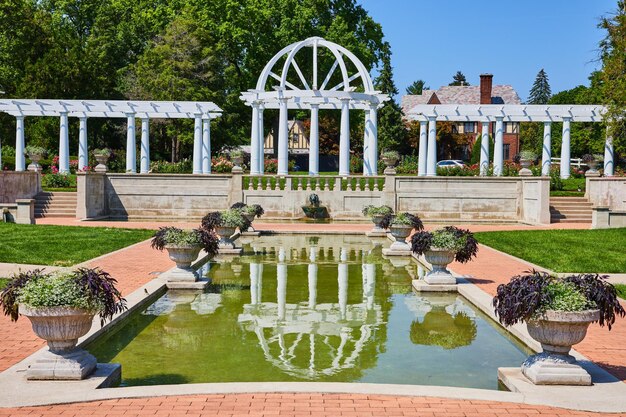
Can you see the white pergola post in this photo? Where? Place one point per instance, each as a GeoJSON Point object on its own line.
{"type": "Point", "coordinates": [565, 149]}
{"type": "Point", "coordinates": [373, 139]}
{"type": "Point", "coordinates": [144, 155]}
{"type": "Point", "coordinates": [546, 153]}
{"type": "Point", "coordinates": [431, 163]}
{"type": "Point", "coordinates": [283, 138]}
{"type": "Point", "coordinates": [344, 139]}
{"type": "Point", "coordinates": [484, 149]}
{"type": "Point", "coordinates": [423, 149]}
{"type": "Point", "coordinates": [261, 141]}
{"type": "Point", "coordinates": [64, 144]}
{"type": "Point", "coordinates": [206, 145]}
{"type": "Point", "coordinates": [366, 145]}
{"type": "Point", "coordinates": [20, 159]}
{"type": "Point", "coordinates": [314, 141]}
{"type": "Point", "coordinates": [498, 150]}
{"type": "Point", "coordinates": [83, 151]}
{"type": "Point", "coordinates": [609, 155]}
{"type": "Point", "coordinates": [254, 140]}
{"type": "Point", "coordinates": [131, 146]}
{"type": "Point", "coordinates": [197, 144]}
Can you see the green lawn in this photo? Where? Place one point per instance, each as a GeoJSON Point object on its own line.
{"type": "Point", "coordinates": [621, 290]}
{"type": "Point", "coordinates": [3, 282]}
{"type": "Point", "coordinates": [62, 245]}
{"type": "Point", "coordinates": [601, 251]}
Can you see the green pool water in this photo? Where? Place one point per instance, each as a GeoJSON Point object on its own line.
{"type": "Point", "coordinates": [302, 308]}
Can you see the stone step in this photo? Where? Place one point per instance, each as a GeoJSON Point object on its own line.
{"type": "Point", "coordinates": [570, 220]}
{"type": "Point", "coordinates": [571, 210]}
{"type": "Point", "coordinates": [565, 198]}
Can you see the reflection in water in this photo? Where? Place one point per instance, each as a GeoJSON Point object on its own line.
{"type": "Point", "coordinates": [322, 309]}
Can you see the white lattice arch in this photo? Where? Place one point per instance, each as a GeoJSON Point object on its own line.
{"type": "Point", "coordinates": [313, 96]}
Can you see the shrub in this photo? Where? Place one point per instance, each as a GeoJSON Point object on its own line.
{"type": "Point", "coordinates": [88, 288]}
{"type": "Point", "coordinates": [391, 155]}
{"type": "Point", "coordinates": [221, 164]}
{"type": "Point", "coordinates": [407, 219]}
{"type": "Point", "coordinates": [528, 296]}
{"type": "Point", "coordinates": [236, 153]}
{"type": "Point", "coordinates": [102, 152]}
{"type": "Point", "coordinates": [372, 211]}
{"type": "Point", "coordinates": [356, 164]}
{"type": "Point", "coordinates": [527, 155]}
{"type": "Point", "coordinates": [461, 242]}
{"type": "Point", "coordinates": [57, 181]}
{"type": "Point", "coordinates": [35, 150]}
{"type": "Point", "coordinates": [226, 218]}
{"type": "Point", "coordinates": [409, 164]}
{"type": "Point", "coordinates": [270, 165]}
{"type": "Point", "coordinates": [184, 166]}
{"type": "Point", "coordinates": [255, 209]}
{"type": "Point", "coordinates": [201, 237]}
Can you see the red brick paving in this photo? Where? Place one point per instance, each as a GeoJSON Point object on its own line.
{"type": "Point", "coordinates": [296, 405]}
{"type": "Point", "coordinates": [489, 269]}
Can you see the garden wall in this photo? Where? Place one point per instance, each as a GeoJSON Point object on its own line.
{"type": "Point", "coordinates": [608, 196]}
{"type": "Point", "coordinates": [162, 196]}
{"type": "Point", "coordinates": [16, 185]}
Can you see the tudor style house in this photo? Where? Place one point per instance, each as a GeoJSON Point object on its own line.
{"type": "Point", "coordinates": [297, 138]}
{"type": "Point", "coordinates": [485, 93]}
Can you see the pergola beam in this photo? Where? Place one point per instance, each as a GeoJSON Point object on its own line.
{"type": "Point", "coordinates": [508, 113]}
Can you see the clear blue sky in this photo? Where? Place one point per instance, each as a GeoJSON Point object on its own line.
{"type": "Point", "coordinates": [513, 40]}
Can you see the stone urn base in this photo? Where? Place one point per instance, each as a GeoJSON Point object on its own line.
{"type": "Point", "coordinates": [102, 163]}
{"type": "Point", "coordinates": [34, 165]}
{"type": "Point", "coordinates": [377, 231]}
{"type": "Point", "coordinates": [184, 256]}
{"type": "Point", "coordinates": [525, 171]}
{"type": "Point", "coordinates": [399, 247]}
{"type": "Point", "coordinates": [227, 237]}
{"type": "Point", "coordinates": [557, 331]}
{"type": "Point", "coordinates": [439, 259]}
{"type": "Point", "coordinates": [61, 327]}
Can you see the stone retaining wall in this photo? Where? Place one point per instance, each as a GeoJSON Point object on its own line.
{"type": "Point", "coordinates": [16, 185]}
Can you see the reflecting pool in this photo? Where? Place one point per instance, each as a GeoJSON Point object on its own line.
{"type": "Point", "coordinates": [305, 308]}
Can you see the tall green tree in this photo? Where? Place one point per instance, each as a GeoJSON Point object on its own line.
{"type": "Point", "coordinates": [417, 87]}
{"type": "Point", "coordinates": [613, 54]}
{"type": "Point", "coordinates": [391, 131]}
{"type": "Point", "coordinates": [540, 92]}
{"type": "Point", "coordinates": [459, 79]}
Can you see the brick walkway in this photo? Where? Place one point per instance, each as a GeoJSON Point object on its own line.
{"type": "Point", "coordinates": [297, 405]}
{"type": "Point", "coordinates": [490, 269]}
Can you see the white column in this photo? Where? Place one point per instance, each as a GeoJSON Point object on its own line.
{"type": "Point", "coordinates": [197, 144]}
{"type": "Point", "coordinates": [206, 145]}
{"type": "Point", "coordinates": [20, 159]}
{"type": "Point", "coordinates": [609, 155]}
{"type": "Point", "coordinates": [423, 149]}
{"type": "Point", "coordinates": [312, 277]}
{"type": "Point", "coordinates": [366, 145]}
{"type": "Point", "coordinates": [484, 149]}
{"type": "Point", "coordinates": [281, 286]}
{"type": "Point", "coordinates": [144, 154]}
{"type": "Point", "coordinates": [254, 141]}
{"type": "Point", "coordinates": [83, 151]}
{"type": "Point", "coordinates": [131, 146]}
{"type": "Point", "coordinates": [343, 284]}
{"type": "Point", "coordinates": [565, 149]}
{"type": "Point", "coordinates": [261, 141]}
{"type": "Point", "coordinates": [546, 153]}
{"type": "Point", "coordinates": [344, 139]}
{"type": "Point", "coordinates": [283, 138]}
{"type": "Point", "coordinates": [314, 141]}
{"type": "Point", "coordinates": [64, 145]}
{"type": "Point", "coordinates": [373, 139]}
{"type": "Point", "coordinates": [431, 164]}
{"type": "Point", "coordinates": [498, 148]}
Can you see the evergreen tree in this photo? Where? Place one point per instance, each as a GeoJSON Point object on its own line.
{"type": "Point", "coordinates": [540, 93]}
{"type": "Point", "coordinates": [416, 88]}
{"type": "Point", "coordinates": [459, 79]}
{"type": "Point", "coordinates": [391, 131]}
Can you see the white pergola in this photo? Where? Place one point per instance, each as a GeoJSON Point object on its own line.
{"type": "Point", "coordinates": [201, 112]}
{"type": "Point", "coordinates": [313, 96]}
{"type": "Point", "coordinates": [429, 114]}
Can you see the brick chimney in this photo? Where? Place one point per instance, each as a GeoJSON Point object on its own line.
{"type": "Point", "coordinates": [486, 81]}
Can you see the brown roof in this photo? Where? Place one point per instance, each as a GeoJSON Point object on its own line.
{"type": "Point", "coordinates": [449, 94]}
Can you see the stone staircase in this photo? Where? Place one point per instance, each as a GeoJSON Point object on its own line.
{"type": "Point", "coordinates": [570, 210]}
{"type": "Point", "coordinates": [55, 204]}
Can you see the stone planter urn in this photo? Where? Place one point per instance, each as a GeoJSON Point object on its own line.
{"type": "Point", "coordinates": [226, 237]}
{"type": "Point", "coordinates": [34, 165]}
{"type": "Point", "coordinates": [61, 327]}
{"type": "Point", "coordinates": [525, 163]}
{"type": "Point", "coordinates": [102, 163]}
{"type": "Point", "coordinates": [557, 331]}
{"type": "Point", "coordinates": [377, 230]}
{"type": "Point", "coordinates": [439, 259]}
{"type": "Point", "coordinates": [184, 257]}
{"type": "Point", "coordinates": [591, 172]}
{"type": "Point", "coordinates": [390, 163]}
{"type": "Point", "coordinates": [237, 162]}
{"type": "Point", "coordinates": [400, 232]}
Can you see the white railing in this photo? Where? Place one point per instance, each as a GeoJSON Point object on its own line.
{"type": "Point", "coordinates": [575, 162]}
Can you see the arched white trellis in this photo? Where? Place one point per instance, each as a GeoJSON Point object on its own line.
{"type": "Point", "coordinates": [429, 114]}
{"type": "Point", "coordinates": [201, 112]}
{"type": "Point", "coordinates": [312, 96]}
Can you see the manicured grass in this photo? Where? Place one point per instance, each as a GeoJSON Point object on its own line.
{"type": "Point", "coordinates": [64, 190]}
{"type": "Point", "coordinates": [62, 245]}
{"type": "Point", "coordinates": [599, 251]}
{"type": "Point", "coordinates": [567, 194]}
{"type": "Point", "coordinates": [621, 290]}
{"type": "Point", "coordinates": [3, 282]}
